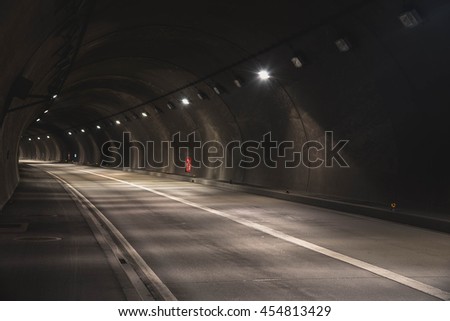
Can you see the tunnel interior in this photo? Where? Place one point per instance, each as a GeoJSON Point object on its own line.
{"type": "Point", "coordinates": [81, 75]}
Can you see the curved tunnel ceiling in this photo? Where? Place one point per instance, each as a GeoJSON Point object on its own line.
{"type": "Point", "coordinates": [133, 53]}
{"type": "Point", "coordinates": [113, 61]}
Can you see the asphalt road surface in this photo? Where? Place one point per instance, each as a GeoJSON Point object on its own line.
{"type": "Point", "coordinates": [188, 241]}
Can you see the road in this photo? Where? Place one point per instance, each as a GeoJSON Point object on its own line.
{"type": "Point", "coordinates": [204, 243]}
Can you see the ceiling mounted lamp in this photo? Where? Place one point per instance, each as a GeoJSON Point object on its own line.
{"type": "Point", "coordinates": [170, 105]}
{"type": "Point", "coordinates": [218, 89]}
{"type": "Point", "coordinates": [343, 45]}
{"type": "Point", "coordinates": [297, 61]}
{"type": "Point", "coordinates": [202, 96]}
{"type": "Point", "coordinates": [118, 122]}
{"type": "Point", "coordinates": [38, 120]}
{"type": "Point", "coordinates": [185, 101]}
{"type": "Point", "coordinates": [239, 82]}
{"type": "Point", "coordinates": [29, 139]}
{"type": "Point", "coordinates": [263, 74]}
{"type": "Point", "coordinates": [55, 96]}
{"type": "Point", "coordinates": [39, 138]}
{"type": "Point", "coordinates": [48, 137]}
{"type": "Point", "coordinates": [69, 133]}
{"type": "Point", "coordinates": [45, 111]}
{"type": "Point", "coordinates": [410, 19]}
{"type": "Point", "coordinates": [83, 131]}
{"type": "Point", "coordinates": [144, 114]}
{"type": "Point", "coordinates": [99, 127]}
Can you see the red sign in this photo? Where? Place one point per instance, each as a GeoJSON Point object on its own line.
{"type": "Point", "coordinates": [188, 164]}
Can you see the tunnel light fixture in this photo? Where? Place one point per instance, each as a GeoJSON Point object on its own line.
{"type": "Point", "coordinates": [238, 82]}
{"type": "Point", "coordinates": [39, 138]}
{"type": "Point", "coordinates": [99, 127]}
{"type": "Point", "coordinates": [297, 62]}
{"type": "Point", "coordinates": [69, 133]}
{"type": "Point", "coordinates": [118, 122]}
{"type": "Point", "coordinates": [46, 111]}
{"type": "Point", "coordinates": [48, 137]}
{"type": "Point", "coordinates": [29, 139]}
{"type": "Point", "coordinates": [263, 74]}
{"type": "Point", "coordinates": [55, 96]}
{"type": "Point", "coordinates": [38, 120]}
{"type": "Point", "coordinates": [144, 114]}
{"type": "Point", "coordinates": [83, 131]}
{"type": "Point", "coordinates": [185, 101]}
{"type": "Point", "coordinates": [218, 90]}
{"type": "Point", "coordinates": [170, 105]}
{"type": "Point", "coordinates": [201, 95]}
{"type": "Point", "coordinates": [410, 19]}
{"type": "Point", "coordinates": [343, 45]}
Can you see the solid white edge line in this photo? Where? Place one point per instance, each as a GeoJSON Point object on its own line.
{"type": "Point", "coordinates": [419, 286]}
{"type": "Point", "coordinates": [156, 282]}
{"type": "Point", "coordinates": [109, 247]}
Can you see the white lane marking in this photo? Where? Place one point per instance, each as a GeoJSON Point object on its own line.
{"type": "Point", "coordinates": [111, 250]}
{"type": "Point", "coordinates": [425, 288]}
{"type": "Point", "coordinates": [160, 287]}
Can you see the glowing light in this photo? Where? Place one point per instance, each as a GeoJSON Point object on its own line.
{"type": "Point", "coordinates": [69, 133]}
{"type": "Point", "coordinates": [48, 137]}
{"type": "Point", "coordinates": [297, 62]}
{"type": "Point", "coordinates": [118, 122]}
{"type": "Point", "coordinates": [55, 96]}
{"type": "Point", "coordinates": [39, 138]}
{"type": "Point", "coordinates": [83, 131]}
{"type": "Point", "coordinates": [38, 120]}
{"type": "Point", "coordinates": [263, 74]}
{"type": "Point", "coordinates": [185, 101]}
{"type": "Point", "coordinates": [46, 111]}
{"type": "Point", "coordinates": [99, 127]}
{"type": "Point", "coordinates": [144, 114]}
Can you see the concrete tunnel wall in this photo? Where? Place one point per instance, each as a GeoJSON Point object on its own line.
{"type": "Point", "coordinates": [387, 95]}
{"type": "Point", "coordinates": [25, 27]}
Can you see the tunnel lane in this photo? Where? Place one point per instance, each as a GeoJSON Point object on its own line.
{"type": "Point", "coordinates": [209, 244]}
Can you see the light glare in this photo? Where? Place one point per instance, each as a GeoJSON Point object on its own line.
{"type": "Point", "coordinates": [263, 74]}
